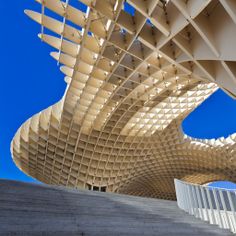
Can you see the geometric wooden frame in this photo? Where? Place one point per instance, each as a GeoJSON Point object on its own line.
{"type": "Point", "coordinates": [132, 77]}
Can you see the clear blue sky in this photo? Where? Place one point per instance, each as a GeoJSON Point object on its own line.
{"type": "Point", "coordinates": [31, 81]}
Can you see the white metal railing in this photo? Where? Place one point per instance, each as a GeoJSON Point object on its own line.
{"type": "Point", "coordinates": [215, 205]}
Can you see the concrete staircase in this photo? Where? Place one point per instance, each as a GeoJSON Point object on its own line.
{"type": "Point", "coordinates": [31, 209]}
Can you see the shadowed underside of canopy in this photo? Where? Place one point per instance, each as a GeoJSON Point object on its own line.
{"type": "Point", "coordinates": [134, 71]}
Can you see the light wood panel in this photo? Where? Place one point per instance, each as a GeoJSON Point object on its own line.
{"type": "Point", "coordinates": [132, 77]}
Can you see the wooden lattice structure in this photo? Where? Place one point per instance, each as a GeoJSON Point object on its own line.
{"type": "Point", "coordinates": [134, 71]}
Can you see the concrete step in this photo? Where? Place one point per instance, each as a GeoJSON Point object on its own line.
{"type": "Point", "coordinates": [32, 209]}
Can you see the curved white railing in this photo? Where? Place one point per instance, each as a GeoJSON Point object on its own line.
{"type": "Point", "coordinates": [215, 205]}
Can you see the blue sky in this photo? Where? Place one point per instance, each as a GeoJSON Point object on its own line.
{"type": "Point", "coordinates": [31, 81]}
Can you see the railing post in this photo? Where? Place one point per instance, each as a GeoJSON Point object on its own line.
{"type": "Point", "coordinates": [205, 203]}
{"type": "Point", "coordinates": [232, 209]}
{"type": "Point", "coordinates": [190, 201]}
{"type": "Point", "coordinates": [188, 206]}
{"type": "Point", "coordinates": [199, 202]}
{"type": "Point", "coordinates": [211, 206]}
{"type": "Point", "coordinates": [183, 196]}
{"type": "Point", "coordinates": [220, 222]}
{"type": "Point", "coordinates": [196, 212]}
{"type": "Point", "coordinates": [228, 224]}
{"type": "Point", "coordinates": [178, 187]}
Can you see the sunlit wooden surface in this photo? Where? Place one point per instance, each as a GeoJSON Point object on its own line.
{"type": "Point", "coordinates": [132, 77]}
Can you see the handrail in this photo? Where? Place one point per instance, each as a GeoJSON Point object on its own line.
{"type": "Point", "coordinates": [212, 204]}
